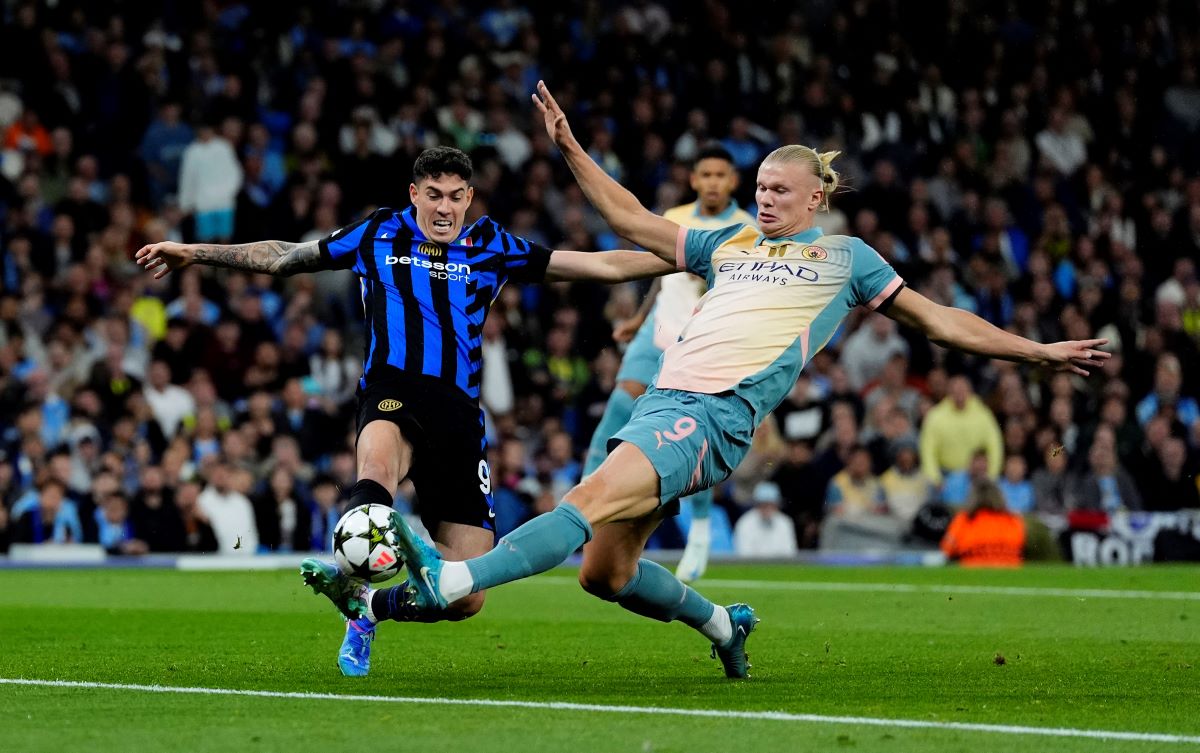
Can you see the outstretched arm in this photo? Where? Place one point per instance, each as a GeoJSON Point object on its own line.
{"type": "Point", "coordinates": [273, 257]}
{"type": "Point", "coordinates": [962, 330]}
{"type": "Point", "coordinates": [605, 266]}
{"type": "Point", "coordinates": [620, 209]}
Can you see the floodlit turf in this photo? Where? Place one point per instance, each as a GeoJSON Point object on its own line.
{"type": "Point", "coordinates": [1086, 663]}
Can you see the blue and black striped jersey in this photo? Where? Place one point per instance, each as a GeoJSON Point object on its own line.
{"type": "Point", "coordinates": [425, 302]}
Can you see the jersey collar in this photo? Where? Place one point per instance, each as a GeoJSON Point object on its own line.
{"type": "Point", "coordinates": [807, 236]}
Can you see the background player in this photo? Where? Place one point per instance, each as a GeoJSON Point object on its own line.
{"type": "Point", "coordinates": [777, 293]}
{"type": "Point", "coordinates": [670, 303]}
{"type": "Point", "coordinates": [427, 284]}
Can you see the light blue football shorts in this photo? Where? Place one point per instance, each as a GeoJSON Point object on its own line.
{"type": "Point", "coordinates": [693, 440]}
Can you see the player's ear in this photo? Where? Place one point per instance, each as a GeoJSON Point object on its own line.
{"type": "Point", "coordinates": [815, 200]}
{"type": "Point", "coordinates": [470, 195]}
{"type": "Point", "coordinates": [412, 192]}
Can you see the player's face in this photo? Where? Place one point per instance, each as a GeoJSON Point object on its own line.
{"type": "Point", "coordinates": [787, 196]}
{"type": "Point", "coordinates": [714, 180]}
{"type": "Point", "coordinates": [441, 203]}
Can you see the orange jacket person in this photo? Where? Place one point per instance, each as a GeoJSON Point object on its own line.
{"type": "Point", "coordinates": [985, 534]}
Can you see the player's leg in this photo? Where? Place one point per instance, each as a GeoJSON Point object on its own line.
{"type": "Point", "coordinates": [616, 414]}
{"type": "Point", "coordinates": [454, 485]}
{"type": "Point", "coordinates": [614, 570]}
{"type": "Point", "coordinates": [694, 561]}
{"type": "Point", "coordinates": [638, 368]}
{"type": "Point", "coordinates": [688, 441]}
{"type": "Point", "coordinates": [625, 487]}
{"type": "Point", "coordinates": [454, 541]}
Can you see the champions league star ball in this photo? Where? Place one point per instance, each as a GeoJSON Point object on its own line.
{"type": "Point", "coordinates": [364, 544]}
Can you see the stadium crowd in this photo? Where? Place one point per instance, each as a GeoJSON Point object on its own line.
{"type": "Point", "coordinates": [1039, 166]}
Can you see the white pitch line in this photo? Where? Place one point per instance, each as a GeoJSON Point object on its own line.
{"type": "Point", "coordinates": [771, 716]}
{"type": "Point", "coordinates": [907, 588]}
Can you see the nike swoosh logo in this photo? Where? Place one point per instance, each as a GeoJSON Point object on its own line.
{"type": "Point", "coordinates": [428, 583]}
{"type": "Point", "coordinates": [383, 237]}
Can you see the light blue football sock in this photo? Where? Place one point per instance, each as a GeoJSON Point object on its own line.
{"type": "Point", "coordinates": [534, 548]}
{"type": "Point", "coordinates": [701, 503]}
{"type": "Point", "coordinates": [616, 415]}
{"type": "Point", "coordinates": [655, 593]}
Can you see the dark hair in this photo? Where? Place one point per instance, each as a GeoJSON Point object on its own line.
{"type": "Point", "coordinates": [713, 151]}
{"type": "Point", "coordinates": [442, 160]}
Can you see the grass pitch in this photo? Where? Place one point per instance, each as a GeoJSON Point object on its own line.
{"type": "Point", "coordinates": [968, 654]}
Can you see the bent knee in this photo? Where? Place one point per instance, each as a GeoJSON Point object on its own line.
{"type": "Point", "coordinates": [603, 585]}
{"type": "Point", "coordinates": [465, 608]}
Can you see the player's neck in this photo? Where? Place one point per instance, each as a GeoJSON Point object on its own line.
{"type": "Point", "coordinates": [703, 210]}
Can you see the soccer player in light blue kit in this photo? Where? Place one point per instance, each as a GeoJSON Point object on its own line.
{"type": "Point", "coordinates": [666, 310]}
{"type": "Point", "coordinates": [777, 292]}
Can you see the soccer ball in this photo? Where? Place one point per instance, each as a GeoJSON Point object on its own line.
{"type": "Point", "coordinates": [364, 544]}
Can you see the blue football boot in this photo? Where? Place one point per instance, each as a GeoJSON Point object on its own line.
{"type": "Point", "coordinates": [354, 657]}
{"type": "Point", "coordinates": [348, 594]}
{"type": "Point", "coordinates": [733, 654]}
{"type": "Point", "coordinates": [424, 566]}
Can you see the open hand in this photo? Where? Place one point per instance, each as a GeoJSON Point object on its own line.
{"type": "Point", "coordinates": [626, 329]}
{"type": "Point", "coordinates": [164, 257]}
{"type": "Point", "coordinates": [556, 120]}
{"type": "Point", "coordinates": [1076, 356]}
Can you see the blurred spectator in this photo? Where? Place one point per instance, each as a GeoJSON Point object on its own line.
{"type": "Point", "coordinates": [1172, 486]}
{"type": "Point", "coordinates": [229, 512]}
{"type": "Point", "coordinates": [335, 373]}
{"type": "Point", "coordinates": [1167, 396]}
{"type": "Point", "coordinates": [955, 429]}
{"type": "Point", "coordinates": [282, 516]}
{"type": "Point", "coordinates": [855, 491]}
{"type": "Point", "coordinates": [198, 533]}
{"type": "Point", "coordinates": [209, 179]}
{"type": "Point", "coordinates": [156, 518]}
{"type": "Point", "coordinates": [985, 534]}
{"type": "Point", "coordinates": [764, 531]}
{"type": "Point", "coordinates": [869, 349]}
{"type": "Point", "coordinates": [169, 403]}
{"type": "Point", "coordinates": [47, 516]}
{"type": "Point", "coordinates": [1015, 485]}
{"type": "Point", "coordinates": [905, 488]}
{"type": "Point", "coordinates": [1106, 485]}
{"type": "Point", "coordinates": [162, 150]}
{"type": "Point", "coordinates": [115, 530]}
{"type": "Point", "coordinates": [1054, 485]}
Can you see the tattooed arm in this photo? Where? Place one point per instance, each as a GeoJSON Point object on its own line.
{"type": "Point", "coordinates": [273, 257]}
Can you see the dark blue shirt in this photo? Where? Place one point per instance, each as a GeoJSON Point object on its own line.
{"type": "Point", "coordinates": [425, 302]}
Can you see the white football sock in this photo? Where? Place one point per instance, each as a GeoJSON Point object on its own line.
{"type": "Point", "coordinates": [700, 531]}
{"type": "Point", "coordinates": [370, 615]}
{"type": "Point", "coordinates": [455, 581]}
{"type": "Point", "coordinates": [718, 629]}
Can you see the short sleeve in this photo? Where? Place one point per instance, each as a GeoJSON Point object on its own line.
{"type": "Point", "coordinates": [524, 261]}
{"type": "Point", "coordinates": [339, 249]}
{"type": "Point", "coordinates": [873, 281]}
{"type": "Point", "coordinates": [694, 249]}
